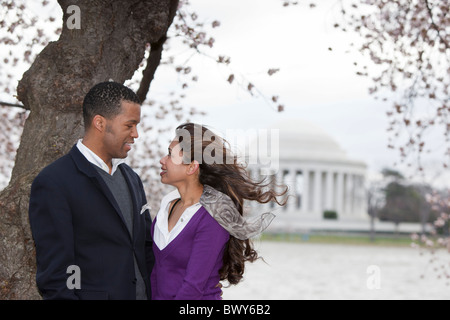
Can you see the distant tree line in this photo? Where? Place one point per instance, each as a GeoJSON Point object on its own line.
{"type": "Point", "coordinates": [398, 200]}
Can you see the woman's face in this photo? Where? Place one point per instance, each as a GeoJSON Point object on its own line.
{"type": "Point", "coordinates": [172, 168]}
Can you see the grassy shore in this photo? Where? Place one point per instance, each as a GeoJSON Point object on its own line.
{"type": "Point", "coordinates": [357, 239]}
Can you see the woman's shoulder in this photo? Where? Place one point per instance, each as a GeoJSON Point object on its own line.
{"type": "Point", "coordinates": [206, 219]}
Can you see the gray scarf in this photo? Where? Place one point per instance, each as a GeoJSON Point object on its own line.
{"type": "Point", "coordinates": [223, 210]}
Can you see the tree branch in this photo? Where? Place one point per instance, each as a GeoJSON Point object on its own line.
{"type": "Point", "coordinates": [6, 104]}
{"type": "Point", "coordinates": [154, 58]}
{"type": "Point", "coordinates": [435, 27]}
{"type": "Point", "coordinates": [153, 62]}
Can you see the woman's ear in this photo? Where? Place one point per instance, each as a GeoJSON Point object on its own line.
{"type": "Point", "coordinates": [193, 168]}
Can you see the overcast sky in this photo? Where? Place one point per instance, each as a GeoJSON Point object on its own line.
{"type": "Point", "coordinates": [314, 83]}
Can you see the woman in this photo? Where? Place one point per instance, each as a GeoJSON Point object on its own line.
{"type": "Point", "coordinates": [200, 235]}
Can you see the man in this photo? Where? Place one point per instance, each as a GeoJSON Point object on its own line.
{"type": "Point", "coordinates": [88, 211]}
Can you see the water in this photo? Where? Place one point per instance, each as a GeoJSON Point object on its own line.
{"type": "Point", "coordinates": [330, 271]}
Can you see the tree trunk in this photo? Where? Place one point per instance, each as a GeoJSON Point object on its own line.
{"type": "Point", "coordinates": [109, 45]}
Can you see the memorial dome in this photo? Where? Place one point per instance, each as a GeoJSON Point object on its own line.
{"type": "Point", "coordinates": [303, 140]}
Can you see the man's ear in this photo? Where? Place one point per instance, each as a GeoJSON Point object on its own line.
{"type": "Point", "coordinates": [193, 168]}
{"type": "Point", "coordinates": [99, 123]}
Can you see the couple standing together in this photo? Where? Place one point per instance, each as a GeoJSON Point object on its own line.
{"type": "Point", "coordinates": [88, 210]}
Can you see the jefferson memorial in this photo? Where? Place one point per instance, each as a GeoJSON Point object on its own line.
{"type": "Point", "coordinates": [320, 177]}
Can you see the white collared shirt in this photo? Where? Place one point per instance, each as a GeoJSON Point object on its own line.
{"type": "Point", "coordinates": [161, 235]}
{"type": "Point", "coordinates": [96, 160]}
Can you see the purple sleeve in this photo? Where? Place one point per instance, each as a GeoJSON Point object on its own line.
{"type": "Point", "coordinates": [209, 242]}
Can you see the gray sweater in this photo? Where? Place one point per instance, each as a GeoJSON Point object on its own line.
{"type": "Point", "coordinates": [119, 188]}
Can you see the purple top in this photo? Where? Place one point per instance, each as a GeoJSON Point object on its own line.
{"type": "Point", "coordinates": [188, 267]}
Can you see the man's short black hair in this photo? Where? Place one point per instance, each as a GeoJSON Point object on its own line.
{"type": "Point", "coordinates": [105, 99]}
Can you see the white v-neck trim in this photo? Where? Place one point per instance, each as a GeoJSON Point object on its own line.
{"type": "Point", "coordinates": [161, 235]}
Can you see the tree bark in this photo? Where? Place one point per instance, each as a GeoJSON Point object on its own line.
{"type": "Point", "coordinates": [109, 45]}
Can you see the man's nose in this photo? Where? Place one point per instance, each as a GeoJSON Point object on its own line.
{"type": "Point", "coordinates": [134, 133]}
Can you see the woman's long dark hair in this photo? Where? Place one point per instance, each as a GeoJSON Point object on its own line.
{"type": "Point", "coordinates": [230, 177]}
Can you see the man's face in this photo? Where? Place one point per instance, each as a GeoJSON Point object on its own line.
{"type": "Point", "coordinates": [122, 130]}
